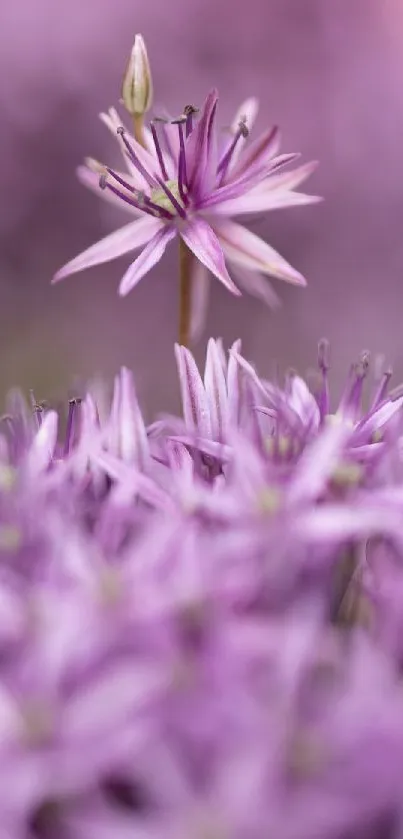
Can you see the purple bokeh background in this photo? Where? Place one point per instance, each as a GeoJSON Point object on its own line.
{"type": "Point", "coordinates": [328, 73]}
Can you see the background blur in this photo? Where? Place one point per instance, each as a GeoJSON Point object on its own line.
{"type": "Point", "coordinates": [329, 73]}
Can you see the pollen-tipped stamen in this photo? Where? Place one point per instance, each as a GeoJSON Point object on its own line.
{"type": "Point", "coordinates": [223, 164]}
{"type": "Point", "coordinates": [137, 200]}
{"type": "Point", "coordinates": [189, 111]}
{"type": "Point", "coordinates": [71, 417]}
{"type": "Point", "coordinates": [381, 392]}
{"type": "Point", "coordinates": [351, 399]}
{"type": "Point", "coordinates": [182, 170]}
{"type": "Point", "coordinates": [323, 397]}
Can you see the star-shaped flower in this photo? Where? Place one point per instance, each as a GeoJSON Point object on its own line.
{"type": "Point", "coordinates": [179, 183]}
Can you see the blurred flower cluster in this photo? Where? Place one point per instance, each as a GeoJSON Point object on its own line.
{"type": "Point", "coordinates": [201, 620]}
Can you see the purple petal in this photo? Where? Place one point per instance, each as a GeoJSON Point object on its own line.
{"type": "Point", "coordinates": [194, 400]}
{"type": "Point", "coordinates": [133, 235]}
{"type": "Point", "coordinates": [259, 201]}
{"type": "Point", "coordinates": [200, 149]}
{"type": "Point", "coordinates": [253, 283]}
{"type": "Point", "coordinates": [248, 250]}
{"type": "Point", "coordinates": [216, 390]}
{"type": "Point", "coordinates": [149, 257]}
{"type": "Point", "coordinates": [234, 384]}
{"type": "Point", "coordinates": [260, 151]}
{"type": "Point", "coordinates": [203, 242]}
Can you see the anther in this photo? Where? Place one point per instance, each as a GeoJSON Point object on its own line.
{"type": "Point", "coordinates": [103, 180]}
{"type": "Point", "coordinates": [243, 128]}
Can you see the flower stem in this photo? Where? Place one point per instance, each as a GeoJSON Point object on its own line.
{"type": "Point", "coordinates": [138, 125]}
{"type": "Point", "coordinates": [185, 292]}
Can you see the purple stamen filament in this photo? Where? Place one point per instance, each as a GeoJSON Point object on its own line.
{"type": "Point", "coordinates": [159, 152]}
{"type": "Point", "coordinates": [223, 164]}
{"type": "Point", "coordinates": [132, 154]}
{"type": "Point", "coordinates": [70, 424]}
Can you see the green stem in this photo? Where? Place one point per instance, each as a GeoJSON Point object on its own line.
{"type": "Point", "coordinates": [185, 292]}
{"type": "Point", "coordinates": [138, 125]}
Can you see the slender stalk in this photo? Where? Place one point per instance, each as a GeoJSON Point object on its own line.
{"type": "Point", "coordinates": [138, 125]}
{"type": "Point", "coordinates": [185, 292]}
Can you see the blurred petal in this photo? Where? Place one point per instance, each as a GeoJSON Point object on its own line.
{"type": "Point", "coordinates": [216, 390]}
{"type": "Point", "coordinates": [133, 235]}
{"type": "Point", "coordinates": [248, 250]}
{"type": "Point", "coordinates": [203, 242]}
{"type": "Point", "coordinates": [253, 283]}
{"type": "Point", "coordinates": [194, 399]}
{"type": "Point", "coordinates": [149, 257]}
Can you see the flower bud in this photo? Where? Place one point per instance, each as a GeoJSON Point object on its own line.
{"type": "Point", "coordinates": [137, 89]}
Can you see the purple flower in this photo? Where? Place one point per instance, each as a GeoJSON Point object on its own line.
{"type": "Point", "coordinates": [186, 182]}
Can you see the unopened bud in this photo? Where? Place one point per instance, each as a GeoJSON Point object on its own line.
{"type": "Point", "coordinates": [137, 88]}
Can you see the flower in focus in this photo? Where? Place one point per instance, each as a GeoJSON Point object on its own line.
{"type": "Point", "coordinates": [182, 179]}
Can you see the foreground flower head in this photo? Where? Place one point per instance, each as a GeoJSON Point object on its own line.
{"type": "Point", "coordinates": [182, 179]}
{"type": "Point", "coordinates": [176, 653]}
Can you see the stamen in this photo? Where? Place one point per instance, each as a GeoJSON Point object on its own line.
{"type": "Point", "coordinates": [73, 403]}
{"type": "Point", "coordinates": [189, 111]}
{"type": "Point", "coordinates": [138, 200]}
{"type": "Point", "coordinates": [223, 164]}
{"type": "Point", "coordinates": [351, 398]}
{"type": "Point", "coordinates": [381, 391]}
{"type": "Point", "coordinates": [133, 156]}
{"type": "Point", "coordinates": [37, 409]}
{"type": "Point", "coordinates": [182, 171]}
{"type": "Point", "coordinates": [323, 397]}
{"type": "Point", "coordinates": [159, 151]}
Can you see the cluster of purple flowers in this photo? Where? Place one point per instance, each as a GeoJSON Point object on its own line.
{"type": "Point", "coordinates": [200, 620]}
{"type": "Point", "coordinates": [201, 623]}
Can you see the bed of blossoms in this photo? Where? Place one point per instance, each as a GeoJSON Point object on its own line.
{"type": "Point", "coordinates": [201, 621]}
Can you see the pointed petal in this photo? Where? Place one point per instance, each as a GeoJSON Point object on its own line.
{"type": "Point", "coordinates": [216, 390]}
{"type": "Point", "coordinates": [249, 251]}
{"type": "Point", "coordinates": [318, 462]}
{"type": "Point", "coordinates": [253, 178]}
{"type": "Point", "coordinates": [259, 201]}
{"type": "Point", "coordinates": [200, 149]}
{"type": "Point", "coordinates": [290, 180]}
{"type": "Point", "coordinates": [253, 283]}
{"type": "Point", "coordinates": [149, 257]}
{"type": "Point", "coordinates": [194, 400]}
{"type": "Point", "coordinates": [43, 445]}
{"type": "Point", "coordinates": [234, 384]}
{"type": "Point", "coordinates": [201, 281]}
{"type": "Point", "coordinates": [131, 429]}
{"type": "Point", "coordinates": [260, 151]}
{"type": "Point", "coordinates": [133, 235]}
{"type": "Point", "coordinates": [203, 242]}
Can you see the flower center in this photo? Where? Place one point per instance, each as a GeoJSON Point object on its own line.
{"type": "Point", "coordinates": [161, 199]}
